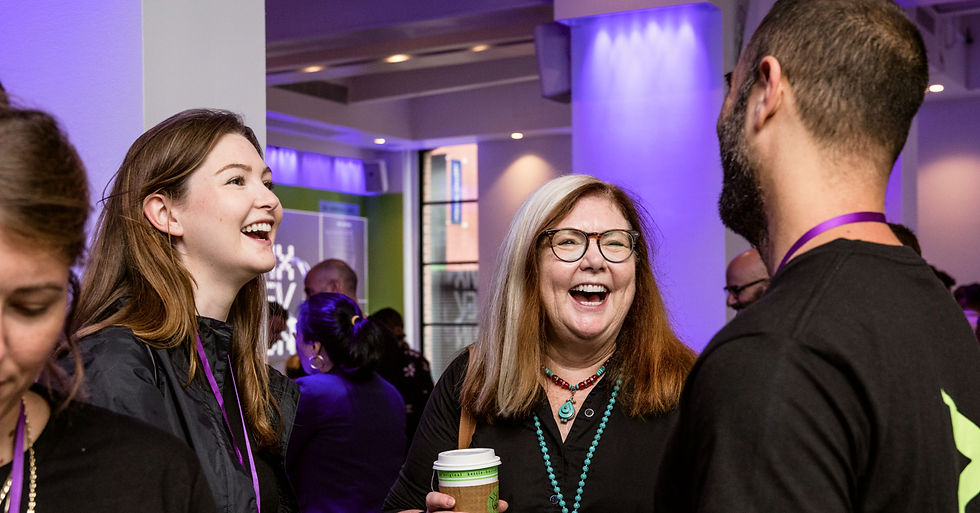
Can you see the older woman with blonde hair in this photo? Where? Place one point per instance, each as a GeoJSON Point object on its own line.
{"type": "Point", "coordinates": [576, 368]}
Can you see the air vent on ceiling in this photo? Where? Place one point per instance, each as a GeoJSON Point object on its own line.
{"type": "Point", "coordinates": [319, 89]}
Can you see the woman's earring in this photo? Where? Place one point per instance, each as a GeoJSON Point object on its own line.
{"type": "Point", "coordinates": [316, 361]}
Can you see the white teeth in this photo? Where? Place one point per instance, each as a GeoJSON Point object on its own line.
{"type": "Point", "coordinates": [590, 288]}
{"type": "Point", "coordinates": [591, 303]}
{"type": "Point", "coordinates": [257, 227]}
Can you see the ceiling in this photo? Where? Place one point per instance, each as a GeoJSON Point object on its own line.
{"type": "Point", "coordinates": [328, 78]}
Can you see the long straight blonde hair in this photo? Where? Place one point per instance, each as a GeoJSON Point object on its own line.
{"type": "Point", "coordinates": [135, 277]}
{"type": "Point", "coordinates": [503, 375]}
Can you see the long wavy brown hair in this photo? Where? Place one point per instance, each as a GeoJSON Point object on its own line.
{"type": "Point", "coordinates": [503, 379]}
{"type": "Point", "coordinates": [135, 277]}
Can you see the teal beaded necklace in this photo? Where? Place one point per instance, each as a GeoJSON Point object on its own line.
{"type": "Point", "coordinates": [567, 409]}
{"type": "Point", "coordinates": [588, 455]}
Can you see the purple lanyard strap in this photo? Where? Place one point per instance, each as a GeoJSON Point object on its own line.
{"type": "Point", "coordinates": [221, 404]}
{"type": "Point", "coordinates": [17, 470]}
{"type": "Point", "coordinates": [834, 222]}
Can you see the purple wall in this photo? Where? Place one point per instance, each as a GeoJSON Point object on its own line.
{"type": "Point", "coordinates": [949, 186]}
{"type": "Point", "coordinates": [646, 92]}
{"type": "Point", "coordinates": [81, 61]}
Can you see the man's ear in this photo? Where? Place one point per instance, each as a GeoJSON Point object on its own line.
{"type": "Point", "coordinates": [768, 101]}
{"type": "Point", "coordinates": [157, 209]}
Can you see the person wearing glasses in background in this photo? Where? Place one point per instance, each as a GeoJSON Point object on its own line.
{"type": "Point", "coordinates": [745, 279]}
{"type": "Point", "coordinates": [576, 368]}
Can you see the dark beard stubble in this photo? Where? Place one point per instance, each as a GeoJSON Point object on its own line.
{"type": "Point", "coordinates": [741, 204]}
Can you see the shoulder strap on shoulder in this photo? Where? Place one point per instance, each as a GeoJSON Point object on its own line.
{"type": "Point", "coordinates": [467, 424]}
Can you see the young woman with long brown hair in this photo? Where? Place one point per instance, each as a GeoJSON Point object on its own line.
{"type": "Point", "coordinates": [57, 454]}
{"type": "Point", "coordinates": [172, 311]}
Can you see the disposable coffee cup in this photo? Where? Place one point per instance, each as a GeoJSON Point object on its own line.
{"type": "Point", "coordinates": [470, 476]}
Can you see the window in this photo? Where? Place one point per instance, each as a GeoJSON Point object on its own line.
{"type": "Point", "coordinates": [450, 252]}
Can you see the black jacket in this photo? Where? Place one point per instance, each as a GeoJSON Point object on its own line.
{"type": "Point", "coordinates": [125, 375]}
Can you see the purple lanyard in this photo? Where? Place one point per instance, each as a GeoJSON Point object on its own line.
{"type": "Point", "coordinates": [221, 404]}
{"type": "Point", "coordinates": [834, 222]}
{"type": "Point", "coordinates": [17, 470]}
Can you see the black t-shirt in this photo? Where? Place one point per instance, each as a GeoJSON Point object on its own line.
{"type": "Point", "coordinates": [92, 460]}
{"type": "Point", "coordinates": [834, 392]}
{"type": "Point", "coordinates": [619, 477]}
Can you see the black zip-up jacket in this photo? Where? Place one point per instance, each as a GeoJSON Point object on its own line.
{"type": "Point", "coordinates": [125, 375]}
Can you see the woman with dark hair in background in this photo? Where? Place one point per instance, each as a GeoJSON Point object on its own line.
{"type": "Point", "coordinates": [59, 455]}
{"type": "Point", "coordinates": [404, 368]}
{"type": "Point", "coordinates": [172, 309]}
{"type": "Point", "coordinates": [349, 439]}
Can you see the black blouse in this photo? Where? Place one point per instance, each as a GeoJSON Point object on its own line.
{"type": "Point", "coordinates": [93, 460]}
{"type": "Point", "coordinates": [620, 476]}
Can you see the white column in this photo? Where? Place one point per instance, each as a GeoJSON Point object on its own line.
{"type": "Point", "coordinates": [109, 69]}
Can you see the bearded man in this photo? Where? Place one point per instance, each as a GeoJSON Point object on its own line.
{"type": "Point", "coordinates": [852, 383]}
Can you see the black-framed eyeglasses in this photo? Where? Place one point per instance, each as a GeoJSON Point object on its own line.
{"type": "Point", "coordinates": [570, 244]}
{"type": "Point", "coordinates": [735, 290]}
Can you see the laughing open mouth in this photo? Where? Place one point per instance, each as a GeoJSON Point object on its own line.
{"type": "Point", "coordinates": [589, 294]}
{"type": "Point", "coordinates": [258, 231]}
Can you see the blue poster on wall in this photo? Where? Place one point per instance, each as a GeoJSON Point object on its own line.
{"type": "Point", "coordinates": [455, 191]}
{"type": "Point", "coordinates": [302, 240]}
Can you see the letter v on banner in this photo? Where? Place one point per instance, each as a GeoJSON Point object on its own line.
{"type": "Point", "coordinates": [966, 436]}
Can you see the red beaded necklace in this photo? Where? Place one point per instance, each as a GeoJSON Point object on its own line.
{"type": "Point", "coordinates": [567, 410]}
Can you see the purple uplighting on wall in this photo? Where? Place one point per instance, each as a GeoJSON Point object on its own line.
{"type": "Point", "coordinates": [646, 92]}
{"type": "Point", "coordinates": [316, 171]}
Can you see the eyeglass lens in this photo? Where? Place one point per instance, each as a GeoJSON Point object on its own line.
{"type": "Point", "coordinates": [737, 289]}
{"type": "Point", "coordinates": [569, 244]}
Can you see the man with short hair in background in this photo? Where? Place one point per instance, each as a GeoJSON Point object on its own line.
{"type": "Point", "coordinates": [853, 384]}
{"type": "Point", "coordinates": [746, 278]}
{"type": "Point", "coordinates": [331, 275]}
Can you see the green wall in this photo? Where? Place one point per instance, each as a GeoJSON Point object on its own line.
{"type": "Point", "coordinates": [385, 285]}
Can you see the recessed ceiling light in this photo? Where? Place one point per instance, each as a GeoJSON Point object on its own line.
{"type": "Point", "coordinates": [398, 57]}
{"type": "Point", "coordinates": [311, 69]}
{"type": "Point", "coordinates": [936, 88]}
{"type": "Point", "coordinates": [480, 48]}
{"type": "Point", "coordinates": [380, 140]}
{"type": "Point", "coordinates": [516, 135]}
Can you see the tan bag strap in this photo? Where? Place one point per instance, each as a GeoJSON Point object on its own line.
{"type": "Point", "coordinates": [467, 424]}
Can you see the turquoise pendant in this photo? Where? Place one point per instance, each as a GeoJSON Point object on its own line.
{"type": "Point", "coordinates": [567, 411]}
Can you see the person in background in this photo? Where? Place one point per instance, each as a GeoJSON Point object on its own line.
{"type": "Point", "coordinates": [746, 279]}
{"type": "Point", "coordinates": [851, 385]}
{"type": "Point", "coordinates": [172, 314]}
{"type": "Point", "coordinates": [948, 281]}
{"type": "Point", "coordinates": [405, 368]}
{"type": "Point", "coordinates": [576, 370]}
{"type": "Point", "coordinates": [294, 367]}
{"type": "Point", "coordinates": [331, 275]}
{"type": "Point", "coordinates": [968, 297]}
{"type": "Point", "coordinates": [906, 236]}
{"type": "Point", "coordinates": [58, 454]}
{"type": "Point", "coordinates": [278, 317]}
{"type": "Point", "coordinates": [349, 439]}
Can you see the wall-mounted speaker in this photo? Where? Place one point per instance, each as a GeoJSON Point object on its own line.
{"type": "Point", "coordinates": [376, 176]}
{"type": "Point", "coordinates": [553, 45]}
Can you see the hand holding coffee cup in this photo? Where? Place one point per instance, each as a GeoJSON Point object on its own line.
{"type": "Point", "coordinates": [438, 502]}
{"type": "Point", "coordinates": [469, 477]}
